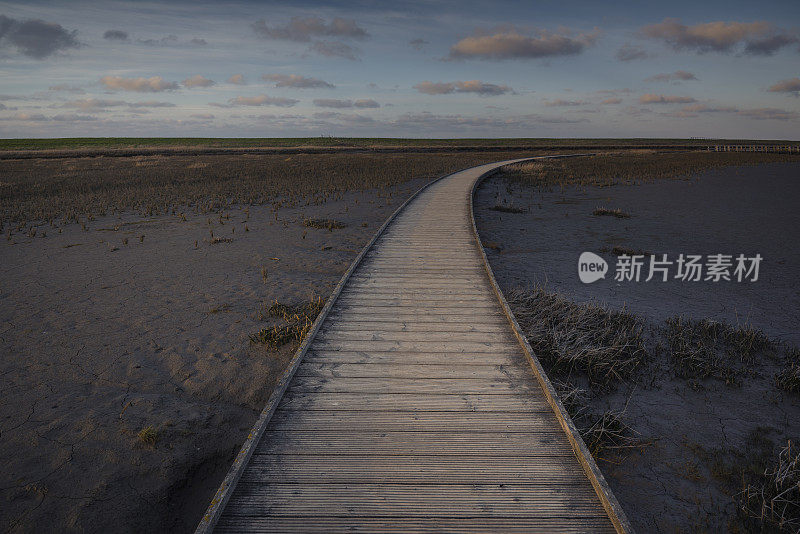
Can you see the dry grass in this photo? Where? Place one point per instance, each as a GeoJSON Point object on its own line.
{"type": "Point", "coordinates": [773, 500]}
{"type": "Point", "coordinates": [626, 168]}
{"type": "Point", "coordinates": [573, 338]}
{"type": "Point", "coordinates": [79, 189]}
{"type": "Point", "coordinates": [503, 208]}
{"type": "Point", "coordinates": [324, 224]}
{"type": "Point", "coordinates": [148, 436]}
{"type": "Point", "coordinates": [618, 213]}
{"type": "Point", "coordinates": [618, 250]}
{"type": "Point", "coordinates": [296, 321]}
{"type": "Point", "coordinates": [710, 349]}
{"type": "Point", "coordinates": [607, 435]}
{"type": "Point", "coordinates": [788, 378]}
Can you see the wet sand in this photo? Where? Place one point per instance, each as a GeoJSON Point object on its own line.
{"type": "Point", "coordinates": [100, 339]}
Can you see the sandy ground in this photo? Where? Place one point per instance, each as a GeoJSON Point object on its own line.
{"type": "Point", "coordinates": [100, 339]}
{"type": "Point", "coordinates": [671, 485]}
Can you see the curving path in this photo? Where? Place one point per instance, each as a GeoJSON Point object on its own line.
{"type": "Point", "coordinates": [414, 405]}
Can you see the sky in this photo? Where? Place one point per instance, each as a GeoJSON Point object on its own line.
{"type": "Point", "coordinates": [437, 68]}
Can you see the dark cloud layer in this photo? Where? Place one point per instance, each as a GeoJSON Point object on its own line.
{"type": "Point", "coordinates": [665, 99]}
{"type": "Point", "coordinates": [677, 76]}
{"type": "Point", "coordinates": [115, 35]}
{"type": "Point", "coordinates": [629, 52]}
{"type": "Point", "coordinates": [304, 28]}
{"type": "Point", "coordinates": [756, 38]}
{"type": "Point", "coordinates": [297, 81]}
{"type": "Point", "coordinates": [343, 104]}
{"type": "Point", "coordinates": [335, 49]}
{"type": "Point", "coordinates": [511, 44]}
{"type": "Point", "coordinates": [791, 86]}
{"type": "Point", "coordinates": [35, 38]}
{"type": "Point", "coordinates": [471, 86]}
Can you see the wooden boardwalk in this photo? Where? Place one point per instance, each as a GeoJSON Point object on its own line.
{"type": "Point", "coordinates": [413, 406]}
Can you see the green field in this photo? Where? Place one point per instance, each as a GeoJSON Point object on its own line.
{"type": "Point", "coordinates": [332, 142]}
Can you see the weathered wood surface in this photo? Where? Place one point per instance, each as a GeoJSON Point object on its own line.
{"type": "Point", "coordinates": [415, 409]}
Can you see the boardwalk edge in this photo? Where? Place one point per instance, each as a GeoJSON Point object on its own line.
{"type": "Point", "coordinates": [217, 505]}
{"type": "Point", "coordinates": [612, 507]}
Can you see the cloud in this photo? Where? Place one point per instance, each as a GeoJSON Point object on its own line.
{"type": "Point", "coordinates": [758, 38]}
{"type": "Point", "coordinates": [92, 104]}
{"type": "Point", "coordinates": [296, 81]}
{"type": "Point", "coordinates": [429, 121]}
{"type": "Point", "coordinates": [333, 103]}
{"type": "Point", "coordinates": [151, 104]}
{"type": "Point", "coordinates": [678, 75]}
{"type": "Point", "coordinates": [665, 99]}
{"type": "Point", "coordinates": [304, 28]}
{"type": "Point", "coordinates": [198, 81]}
{"type": "Point", "coordinates": [99, 104]}
{"type": "Point", "coordinates": [237, 79]}
{"type": "Point", "coordinates": [564, 103]}
{"type": "Point", "coordinates": [72, 118]}
{"type": "Point", "coordinates": [471, 86]}
{"type": "Point", "coordinates": [341, 104]}
{"type": "Point", "coordinates": [206, 116]}
{"type": "Point", "coordinates": [705, 108]}
{"type": "Point", "coordinates": [629, 52]}
{"type": "Point", "coordinates": [418, 44]}
{"type": "Point", "coordinates": [335, 49]}
{"type": "Point", "coordinates": [353, 119]}
{"type": "Point", "coordinates": [613, 100]}
{"type": "Point", "coordinates": [36, 38]}
{"type": "Point", "coordinates": [769, 114]}
{"type": "Point", "coordinates": [755, 114]}
{"type": "Point", "coordinates": [198, 42]}
{"type": "Point", "coordinates": [115, 35]}
{"type": "Point", "coordinates": [140, 85]}
{"type": "Point", "coordinates": [510, 44]}
{"type": "Point", "coordinates": [769, 45]}
{"type": "Point", "coordinates": [791, 86]}
{"type": "Point", "coordinates": [66, 88]}
{"type": "Point", "coordinates": [169, 39]}
{"type": "Point", "coordinates": [262, 100]}
{"type": "Point", "coordinates": [366, 103]}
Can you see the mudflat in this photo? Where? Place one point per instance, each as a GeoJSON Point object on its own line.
{"type": "Point", "coordinates": [689, 413]}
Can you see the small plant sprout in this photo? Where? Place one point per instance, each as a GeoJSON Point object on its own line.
{"type": "Point", "coordinates": [148, 436]}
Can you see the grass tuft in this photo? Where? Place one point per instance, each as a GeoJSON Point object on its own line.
{"type": "Point", "coordinates": [503, 208]}
{"type": "Point", "coordinates": [148, 436]}
{"type": "Point", "coordinates": [324, 224]}
{"type": "Point", "coordinates": [297, 321]}
{"type": "Point", "coordinates": [605, 345]}
{"type": "Point", "coordinates": [710, 349]}
{"type": "Point", "coordinates": [773, 500]}
{"type": "Point", "coordinates": [618, 213]}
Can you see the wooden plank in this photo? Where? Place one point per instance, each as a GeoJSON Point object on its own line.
{"type": "Point", "coordinates": [337, 443]}
{"type": "Point", "coordinates": [414, 346]}
{"type": "Point", "coordinates": [442, 370]}
{"type": "Point", "coordinates": [351, 420]}
{"type": "Point", "coordinates": [415, 358]}
{"type": "Point", "coordinates": [415, 469]}
{"type": "Point", "coordinates": [385, 402]}
{"type": "Point", "coordinates": [412, 326]}
{"type": "Point", "coordinates": [504, 385]}
{"type": "Point", "coordinates": [399, 335]}
{"type": "Point", "coordinates": [386, 525]}
{"type": "Point", "coordinates": [424, 501]}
